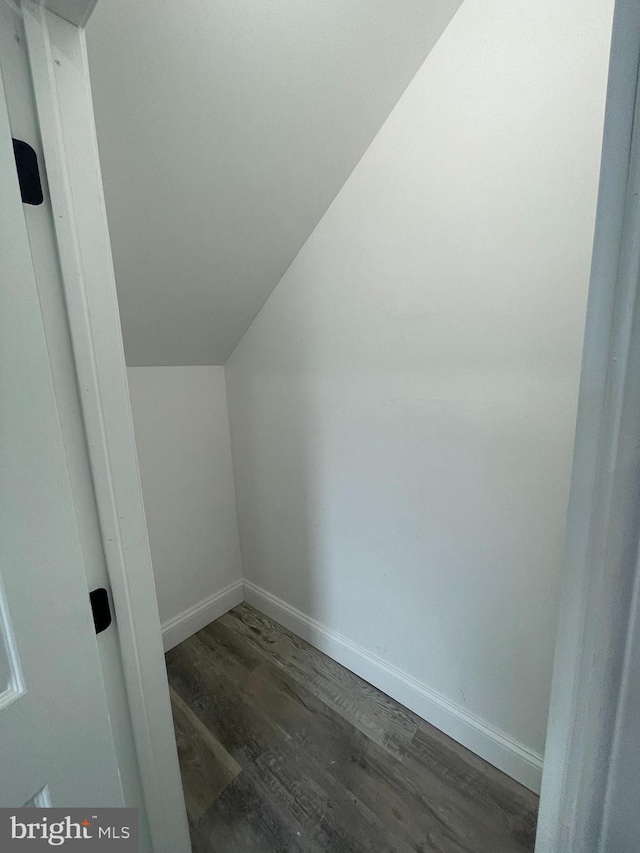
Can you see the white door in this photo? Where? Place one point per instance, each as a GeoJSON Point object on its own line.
{"type": "Point", "coordinates": [56, 744]}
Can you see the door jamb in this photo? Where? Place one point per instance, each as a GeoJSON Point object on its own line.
{"type": "Point", "coordinates": [58, 60]}
{"type": "Point", "coordinates": [601, 548]}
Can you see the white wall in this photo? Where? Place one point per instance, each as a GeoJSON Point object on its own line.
{"type": "Point", "coordinates": [182, 436]}
{"type": "Point", "coordinates": [226, 128]}
{"type": "Point", "coordinates": [402, 408]}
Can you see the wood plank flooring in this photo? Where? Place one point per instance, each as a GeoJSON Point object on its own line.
{"type": "Point", "coordinates": [282, 750]}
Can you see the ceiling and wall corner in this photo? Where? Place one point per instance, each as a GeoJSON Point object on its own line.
{"type": "Point", "coordinates": [225, 131]}
{"type": "Point", "coordinates": [402, 410]}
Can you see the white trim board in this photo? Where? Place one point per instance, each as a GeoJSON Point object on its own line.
{"type": "Point", "coordinates": [498, 749]}
{"type": "Point", "coordinates": [60, 75]}
{"type": "Point", "coordinates": [195, 618]}
{"type": "Point", "coordinates": [586, 805]}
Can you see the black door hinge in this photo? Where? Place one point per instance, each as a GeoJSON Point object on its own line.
{"type": "Point", "coordinates": [100, 608]}
{"type": "Point", "coordinates": [28, 172]}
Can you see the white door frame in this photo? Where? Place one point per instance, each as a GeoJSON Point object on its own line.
{"type": "Point", "coordinates": [57, 56]}
{"type": "Point", "coordinates": [601, 551]}
{"type": "Point", "coordinates": [604, 510]}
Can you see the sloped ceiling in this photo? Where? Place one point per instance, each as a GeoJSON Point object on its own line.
{"type": "Point", "coordinates": [226, 128]}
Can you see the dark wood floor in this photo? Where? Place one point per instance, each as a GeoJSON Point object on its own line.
{"type": "Point", "coordinates": [282, 749]}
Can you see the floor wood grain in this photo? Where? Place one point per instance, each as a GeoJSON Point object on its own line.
{"type": "Point", "coordinates": [282, 749]}
{"type": "Point", "coordinates": [205, 765]}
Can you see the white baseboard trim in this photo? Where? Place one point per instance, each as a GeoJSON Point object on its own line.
{"type": "Point", "coordinates": [195, 618]}
{"type": "Point", "coordinates": [498, 749]}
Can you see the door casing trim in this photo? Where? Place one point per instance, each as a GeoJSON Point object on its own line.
{"type": "Point", "coordinates": [600, 561]}
{"type": "Point", "coordinates": [57, 56]}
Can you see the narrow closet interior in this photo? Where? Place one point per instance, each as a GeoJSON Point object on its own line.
{"type": "Point", "coordinates": [352, 244]}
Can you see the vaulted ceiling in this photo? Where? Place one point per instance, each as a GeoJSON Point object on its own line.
{"type": "Point", "coordinates": [226, 128]}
